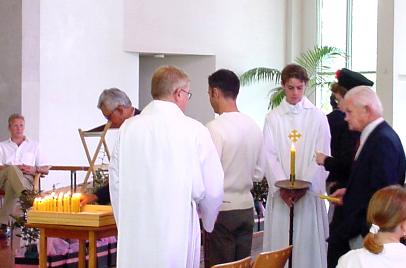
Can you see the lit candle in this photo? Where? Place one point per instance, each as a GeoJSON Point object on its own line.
{"type": "Point", "coordinates": [52, 202]}
{"type": "Point", "coordinates": [60, 202]}
{"type": "Point", "coordinates": [292, 160]}
{"type": "Point", "coordinates": [45, 203]}
{"type": "Point", "coordinates": [66, 202]}
{"type": "Point", "coordinates": [75, 202]}
{"type": "Point", "coordinates": [41, 205]}
{"type": "Point", "coordinates": [35, 204]}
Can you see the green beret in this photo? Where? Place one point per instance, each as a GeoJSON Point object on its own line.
{"type": "Point", "coordinates": [349, 79]}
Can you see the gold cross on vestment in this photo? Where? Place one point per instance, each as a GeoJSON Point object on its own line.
{"type": "Point", "coordinates": [294, 135]}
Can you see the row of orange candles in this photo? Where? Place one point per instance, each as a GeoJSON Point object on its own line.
{"type": "Point", "coordinates": [62, 202]}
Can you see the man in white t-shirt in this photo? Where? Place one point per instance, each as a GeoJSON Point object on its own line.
{"type": "Point", "coordinates": [20, 160]}
{"type": "Point", "coordinates": [238, 141]}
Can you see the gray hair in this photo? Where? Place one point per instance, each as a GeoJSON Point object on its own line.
{"type": "Point", "coordinates": [112, 98]}
{"type": "Point", "coordinates": [14, 117]}
{"type": "Point", "coordinates": [365, 96]}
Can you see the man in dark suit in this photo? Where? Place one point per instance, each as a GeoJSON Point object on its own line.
{"type": "Point", "coordinates": [379, 161]}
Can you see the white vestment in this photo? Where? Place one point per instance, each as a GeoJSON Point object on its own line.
{"type": "Point", "coordinates": [310, 215]}
{"type": "Point", "coordinates": [164, 171]}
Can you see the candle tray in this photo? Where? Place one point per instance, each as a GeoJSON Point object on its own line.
{"type": "Point", "coordinates": [90, 215]}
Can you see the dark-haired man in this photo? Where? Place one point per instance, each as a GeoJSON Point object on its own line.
{"type": "Point", "coordinates": [238, 140]}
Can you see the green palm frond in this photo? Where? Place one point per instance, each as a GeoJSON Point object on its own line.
{"type": "Point", "coordinates": [276, 97]}
{"type": "Point", "coordinates": [315, 61]}
{"type": "Point", "coordinates": [260, 74]}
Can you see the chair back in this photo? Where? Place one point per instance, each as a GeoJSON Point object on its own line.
{"type": "Point", "coordinates": [273, 259]}
{"type": "Point", "coordinates": [244, 263]}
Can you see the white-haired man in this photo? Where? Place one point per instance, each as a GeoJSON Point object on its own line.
{"type": "Point", "coordinates": [379, 162]}
{"type": "Point", "coordinates": [164, 169]}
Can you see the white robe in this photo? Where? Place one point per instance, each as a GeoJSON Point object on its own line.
{"type": "Point", "coordinates": [310, 215]}
{"type": "Point", "coordinates": [164, 170]}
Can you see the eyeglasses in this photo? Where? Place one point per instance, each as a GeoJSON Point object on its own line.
{"type": "Point", "coordinates": [189, 94]}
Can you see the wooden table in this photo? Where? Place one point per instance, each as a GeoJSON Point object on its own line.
{"type": "Point", "coordinates": [82, 233]}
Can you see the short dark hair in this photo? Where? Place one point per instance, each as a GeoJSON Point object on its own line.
{"type": "Point", "coordinates": [226, 81]}
{"type": "Point", "coordinates": [294, 71]}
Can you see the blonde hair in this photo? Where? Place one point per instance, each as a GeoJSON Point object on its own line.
{"type": "Point", "coordinates": [167, 79]}
{"type": "Point", "coordinates": [14, 117]}
{"type": "Point", "coordinates": [386, 209]}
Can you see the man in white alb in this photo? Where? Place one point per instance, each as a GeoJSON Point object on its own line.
{"type": "Point", "coordinates": [296, 112]}
{"type": "Point", "coordinates": [20, 160]}
{"type": "Point", "coordinates": [163, 172]}
{"type": "Point", "coordinates": [238, 140]}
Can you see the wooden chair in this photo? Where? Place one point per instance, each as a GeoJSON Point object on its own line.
{"type": "Point", "coordinates": [244, 263]}
{"type": "Point", "coordinates": [273, 259]}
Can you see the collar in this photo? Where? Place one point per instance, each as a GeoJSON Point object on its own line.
{"type": "Point", "coordinates": [365, 134]}
{"type": "Point", "coordinates": [288, 108]}
{"type": "Point", "coordinates": [162, 107]}
{"type": "Point", "coordinates": [25, 139]}
{"type": "Point", "coordinates": [369, 128]}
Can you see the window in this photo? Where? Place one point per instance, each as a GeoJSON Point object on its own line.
{"type": "Point", "coordinates": [350, 25]}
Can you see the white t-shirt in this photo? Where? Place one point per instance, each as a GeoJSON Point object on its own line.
{"type": "Point", "coordinates": [27, 153]}
{"type": "Point", "coordinates": [393, 256]}
{"type": "Point", "coordinates": [238, 140]}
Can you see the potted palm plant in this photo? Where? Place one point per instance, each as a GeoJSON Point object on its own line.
{"type": "Point", "coordinates": [316, 62]}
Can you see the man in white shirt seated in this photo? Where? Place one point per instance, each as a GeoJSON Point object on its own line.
{"type": "Point", "coordinates": [20, 160]}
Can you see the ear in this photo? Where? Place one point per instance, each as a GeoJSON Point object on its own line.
{"type": "Point", "coordinates": [120, 109]}
{"type": "Point", "coordinates": [176, 94]}
{"type": "Point", "coordinates": [216, 92]}
{"type": "Point", "coordinates": [368, 109]}
{"type": "Point", "coordinates": [403, 227]}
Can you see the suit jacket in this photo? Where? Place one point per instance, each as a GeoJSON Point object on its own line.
{"type": "Point", "coordinates": [380, 163]}
{"type": "Point", "coordinates": [103, 195]}
{"type": "Point", "coordinates": [343, 148]}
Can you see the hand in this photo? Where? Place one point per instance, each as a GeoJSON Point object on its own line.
{"type": "Point", "coordinates": [291, 196]}
{"type": "Point", "coordinates": [339, 193]}
{"type": "Point", "coordinates": [87, 198]}
{"type": "Point", "coordinates": [44, 170]}
{"type": "Point", "coordinates": [26, 169]}
{"type": "Point", "coordinates": [320, 158]}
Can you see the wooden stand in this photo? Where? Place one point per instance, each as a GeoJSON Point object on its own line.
{"type": "Point", "coordinates": [98, 132]}
{"type": "Point", "coordinates": [82, 233]}
{"type": "Point", "coordinates": [292, 185]}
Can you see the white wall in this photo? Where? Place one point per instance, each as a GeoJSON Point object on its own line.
{"type": "Point", "coordinates": [10, 62]}
{"type": "Point", "coordinates": [241, 34]}
{"type": "Point", "coordinates": [80, 55]}
{"type": "Point", "coordinates": [81, 52]}
{"type": "Point", "coordinates": [399, 89]}
{"type": "Point", "coordinates": [391, 65]}
{"type": "Point", "coordinates": [198, 69]}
